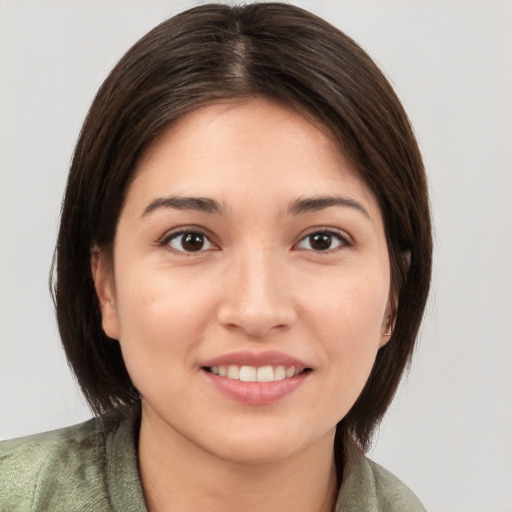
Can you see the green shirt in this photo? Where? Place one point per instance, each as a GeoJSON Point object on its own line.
{"type": "Point", "coordinates": [92, 467]}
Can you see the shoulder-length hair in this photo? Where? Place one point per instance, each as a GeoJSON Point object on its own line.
{"type": "Point", "coordinates": [271, 50]}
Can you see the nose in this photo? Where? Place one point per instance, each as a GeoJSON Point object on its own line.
{"type": "Point", "coordinates": [257, 298]}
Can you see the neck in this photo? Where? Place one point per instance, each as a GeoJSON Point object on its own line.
{"type": "Point", "coordinates": [177, 475]}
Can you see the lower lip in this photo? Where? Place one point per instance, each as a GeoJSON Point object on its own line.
{"type": "Point", "coordinates": [256, 393]}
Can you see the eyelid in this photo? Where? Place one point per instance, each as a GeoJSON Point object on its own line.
{"type": "Point", "coordinates": [164, 240]}
{"type": "Point", "coordinates": [345, 238]}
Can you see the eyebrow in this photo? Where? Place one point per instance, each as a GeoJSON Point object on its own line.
{"type": "Point", "coordinates": [317, 203]}
{"type": "Point", "coordinates": [210, 206]}
{"type": "Point", "coordinates": [198, 204]}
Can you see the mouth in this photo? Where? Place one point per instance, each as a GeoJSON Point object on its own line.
{"type": "Point", "coordinates": [256, 378]}
{"type": "Point", "coordinates": [267, 373]}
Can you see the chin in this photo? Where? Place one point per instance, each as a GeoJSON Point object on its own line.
{"type": "Point", "coordinates": [256, 451]}
{"type": "Point", "coordinates": [266, 445]}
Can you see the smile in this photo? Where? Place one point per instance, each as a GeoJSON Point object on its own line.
{"type": "Point", "coordinates": [256, 378]}
{"type": "Point", "coordinates": [246, 373]}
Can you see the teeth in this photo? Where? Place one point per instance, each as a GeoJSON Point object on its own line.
{"type": "Point", "coordinates": [280, 373]}
{"type": "Point", "coordinates": [233, 372]}
{"type": "Point", "coordinates": [265, 374]}
{"type": "Point", "coordinates": [247, 373]}
{"type": "Point", "coordinates": [255, 374]}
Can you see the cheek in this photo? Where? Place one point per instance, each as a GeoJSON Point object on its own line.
{"type": "Point", "coordinates": [162, 318]}
{"type": "Point", "coordinates": [347, 315]}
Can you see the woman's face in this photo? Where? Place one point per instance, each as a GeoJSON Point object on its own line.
{"type": "Point", "coordinates": [250, 284]}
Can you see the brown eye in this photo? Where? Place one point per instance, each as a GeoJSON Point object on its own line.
{"type": "Point", "coordinates": [322, 241]}
{"type": "Point", "coordinates": [190, 241]}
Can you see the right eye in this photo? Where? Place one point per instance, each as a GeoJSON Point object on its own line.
{"type": "Point", "coordinates": [189, 241]}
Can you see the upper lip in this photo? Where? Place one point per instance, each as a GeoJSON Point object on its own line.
{"type": "Point", "coordinates": [257, 359]}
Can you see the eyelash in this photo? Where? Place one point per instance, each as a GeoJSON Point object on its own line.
{"type": "Point", "coordinates": [342, 238]}
{"type": "Point", "coordinates": [166, 241]}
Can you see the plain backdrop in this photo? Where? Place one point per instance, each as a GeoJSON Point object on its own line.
{"type": "Point", "coordinates": [448, 433]}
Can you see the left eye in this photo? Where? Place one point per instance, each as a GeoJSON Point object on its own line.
{"type": "Point", "coordinates": [322, 241]}
{"type": "Point", "coordinates": [189, 241]}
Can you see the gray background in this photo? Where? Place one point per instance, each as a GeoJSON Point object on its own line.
{"type": "Point", "coordinates": [448, 433]}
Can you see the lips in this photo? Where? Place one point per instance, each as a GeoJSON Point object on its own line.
{"type": "Point", "coordinates": [257, 359]}
{"type": "Point", "coordinates": [256, 378]}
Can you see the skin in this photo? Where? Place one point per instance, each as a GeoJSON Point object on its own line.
{"type": "Point", "coordinates": [258, 284]}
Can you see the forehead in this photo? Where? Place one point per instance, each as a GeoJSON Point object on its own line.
{"type": "Point", "coordinates": [244, 147]}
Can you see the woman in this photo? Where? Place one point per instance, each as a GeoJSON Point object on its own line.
{"type": "Point", "coordinates": [242, 266]}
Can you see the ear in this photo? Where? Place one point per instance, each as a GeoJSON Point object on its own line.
{"type": "Point", "coordinates": [104, 284]}
{"type": "Point", "coordinates": [388, 324]}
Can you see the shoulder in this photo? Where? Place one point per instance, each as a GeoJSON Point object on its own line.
{"type": "Point", "coordinates": [392, 493]}
{"type": "Point", "coordinates": [368, 487]}
{"type": "Point", "coordinates": [49, 470]}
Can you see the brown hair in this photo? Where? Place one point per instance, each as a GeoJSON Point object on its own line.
{"type": "Point", "coordinates": [214, 51]}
